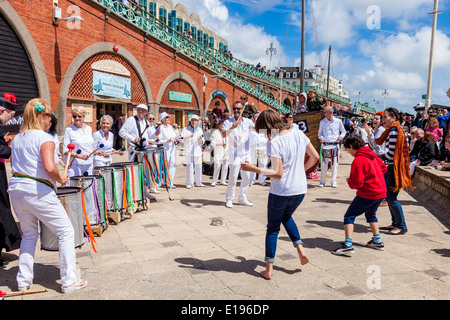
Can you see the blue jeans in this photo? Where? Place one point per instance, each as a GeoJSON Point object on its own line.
{"type": "Point", "coordinates": [359, 206]}
{"type": "Point", "coordinates": [398, 219]}
{"type": "Point", "coordinates": [279, 211]}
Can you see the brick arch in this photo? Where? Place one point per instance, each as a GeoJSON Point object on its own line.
{"type": "Point", "coordinates": [77, 63]}
{"type": "Point", "coordinates": [179, 77]}
{"type": "Point", "coordinates": [81, 86]}
{"type": "Point", "coordinates": [30, 47]}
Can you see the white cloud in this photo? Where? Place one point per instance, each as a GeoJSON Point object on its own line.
{"type": "Point", "coordinates": [247, 42]}
{"type": "Point", "coordinates": [410, 51]}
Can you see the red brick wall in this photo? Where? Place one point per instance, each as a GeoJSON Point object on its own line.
{"type": "Point", "coordinates": [59, 46]}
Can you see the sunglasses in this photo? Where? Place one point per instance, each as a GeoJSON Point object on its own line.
{"type": "Point", "coordinates": [75, 116]}
{"type": "Point", "coordinates": [237, 109]}
{"type": "Point", "coordinates": [151, 118]}
{"type": "Point", "coordinates": [290, 117]}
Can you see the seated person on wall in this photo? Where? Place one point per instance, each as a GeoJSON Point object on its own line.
{"type": "Point", "coordinates": [314, 103]}
{"type": "Point", "coordinates": [418, 144]}
{"type": "Point", "coordinates": [426, 154]}
{"type": "Point", "coordinates": [444, 162]}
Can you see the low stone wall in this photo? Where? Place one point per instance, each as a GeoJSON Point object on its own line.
{"type": "Point", "coordinates": [432, 189]}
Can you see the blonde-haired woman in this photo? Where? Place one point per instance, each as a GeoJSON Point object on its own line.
{"type": "Point", "coordinates": [32, 192]}
{"type": "Point", "coordinates": [79, 134]}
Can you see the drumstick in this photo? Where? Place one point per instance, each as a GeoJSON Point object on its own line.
{"type": "Point", "coordinates": [71, 147]}
{"type": "Point", "coordinates": [78, 152]}
{"type": "Point", "coordinates": [3, 294]}
{"type": "Point", "coordinates": [101, 146]}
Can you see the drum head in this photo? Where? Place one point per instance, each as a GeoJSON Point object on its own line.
{"type": "Point", "coordinates": [86, 177]}
{"type": "Point", "coordinates": [67, 190]}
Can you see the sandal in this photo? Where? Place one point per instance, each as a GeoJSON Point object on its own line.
{"type": "Point", "coordinates": [397, 231]}
{"type": "Point", "coordinates": [79, 284]}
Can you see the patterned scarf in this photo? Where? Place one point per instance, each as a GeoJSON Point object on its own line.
{"type": "Point", "coordinates": [401, 158]}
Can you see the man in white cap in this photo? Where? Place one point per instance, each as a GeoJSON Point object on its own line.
{"type": "Point", "coordinates": [238, 130]}
{"type": "Point", "coordinates": [138, 132]}
{"type": "Point", "coordinates": [193, 141]}
{"type": "Point", "coordinates": [135, 130]}
{"type": "Point", "coordinates": [167, 137]}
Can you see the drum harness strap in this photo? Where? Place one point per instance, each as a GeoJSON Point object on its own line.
{"type": "Point", "coordinates": [46, 182]}
{"type": "Point", "coordinates": [141, 143]}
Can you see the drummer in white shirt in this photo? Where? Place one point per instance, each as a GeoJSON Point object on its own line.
{"type": "Point", "coordinates": [106, 138]}
{"type": "Point", "coordinates": [193, 141]}
{"type": "Point", "coordinates": [79, 134]}
{"type": "Point", "coordinates": [168, 138]}
{"type": "Point", "coordinates": [136, 131]}
{"type": "Point", "coordinates": [219, 143]}
{"type": "Point", "coordinates": [238, 133]}
{"type": "Point", "coordinates": [331, 133]}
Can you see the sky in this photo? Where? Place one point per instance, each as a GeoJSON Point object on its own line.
{"type": "Point", "coordinates": [377, 45]}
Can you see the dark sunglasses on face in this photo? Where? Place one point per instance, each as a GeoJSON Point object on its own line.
{"type": "Point", "coordinates": [237, 109]}
{"type": "Point", "coordinates": [75, 116]}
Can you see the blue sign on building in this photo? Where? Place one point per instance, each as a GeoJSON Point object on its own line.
{"type": "Point", "coordinates": [109, 85]}
{"type": "Point", "coordinates": [219, 93]}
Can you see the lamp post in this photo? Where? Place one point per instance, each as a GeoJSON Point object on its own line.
{"type": "Point", "coordinates": [385, 94]}
{"type": "Point", "coordinates": [430, 67]}
{"type": "Point", "coordinates": [271, 51]}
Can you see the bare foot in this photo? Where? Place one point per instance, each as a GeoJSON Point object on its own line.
{"type": "Point", "coordinates": [302, 255]}
{"type": "Point", "coordinates": [266, 275]}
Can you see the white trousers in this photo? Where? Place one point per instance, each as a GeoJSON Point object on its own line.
{"type": "Point", "coordinates": [171, 155]}
{"type": "Point", "coordinates": [220, 166]}
{"type": "Point", "coordinates": [232, 180]}
{"type": "Point", "coordinates": [47, 208]}
{"type": "Point", "coordinates": [324, 169]}
{"type": "Point", "coordinates": [193, 164]}
{"type": "Point", "coordinates": [261, 163]}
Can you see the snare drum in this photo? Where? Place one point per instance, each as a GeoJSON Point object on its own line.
{"type": "Point", "coordinates": [134, 183]}
{"type": "Point", "coordinates": [94, 198]}
{"type": "Point", "coordinates": [330, 152]}
{"type": "Point", "coordinates": [151, 166]}
{"type": "Point", "coordinates": [113, 177]}
{"type": "Point", "coordinates": [70, 198]}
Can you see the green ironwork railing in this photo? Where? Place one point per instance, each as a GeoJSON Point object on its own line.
{"type": "Point", "coordinates": [209, 57]}
{"type": "Point", "coordinates": [330, 94]}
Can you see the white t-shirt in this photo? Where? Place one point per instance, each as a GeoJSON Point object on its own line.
{"type": "Point", "coordinates": [193, 146]}
{"type": "Point", "coordinates": [26, 159]}
{"type": "Point", "coordinates": [83, 140]}
{"type": "Point", "coordinates": [291, 149]}
{"type": "Point", "coordinates": [239, 144]}
{"type": "Point", "coordinates": [100, 138]}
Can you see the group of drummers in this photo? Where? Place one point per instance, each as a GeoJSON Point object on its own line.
{"type": "Point", "coordinates": [35, 155]}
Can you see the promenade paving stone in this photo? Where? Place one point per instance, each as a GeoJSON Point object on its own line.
{"type": "Point", "coordinates": [174, 251]}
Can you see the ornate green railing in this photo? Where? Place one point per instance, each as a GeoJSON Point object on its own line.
{"type": "Point", "coordinates": [211, 58]}
{"type": "Point", "coordinates": [358, 106]}
{"type": "Point", "coordinates": [330, 94]}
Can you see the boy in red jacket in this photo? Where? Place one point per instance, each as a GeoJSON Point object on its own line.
{"type": "Point", "coordinates": [367, 177]}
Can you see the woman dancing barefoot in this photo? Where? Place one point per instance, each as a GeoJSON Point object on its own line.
{"type": "Point", "coordinates": [287, 148]}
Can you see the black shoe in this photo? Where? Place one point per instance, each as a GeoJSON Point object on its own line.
{"type": "Point", "coordinates": [343, 250]}
{"type": "Point", "coordinates": [374, 245]}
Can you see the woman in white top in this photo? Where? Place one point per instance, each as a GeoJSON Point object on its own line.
{"type": "Point", "coordinates": [32, 192]}
{"type": "Point", "coordinates": [80, 135]}
{"type": "Point", "coordinates": [375, 133]}
{"type": "Point", "coordinates": [193, 141]}
{"type": "Point", "coordinates": [106, 138]}
{"type": "Point", "coordinates": [258, 153]}
{"type": "Point", "coordinates": [219, 143]}
{"type": "Point", "coordinates": [288, 181]}
{"type": "Point", "coordinates": [167, 137]}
